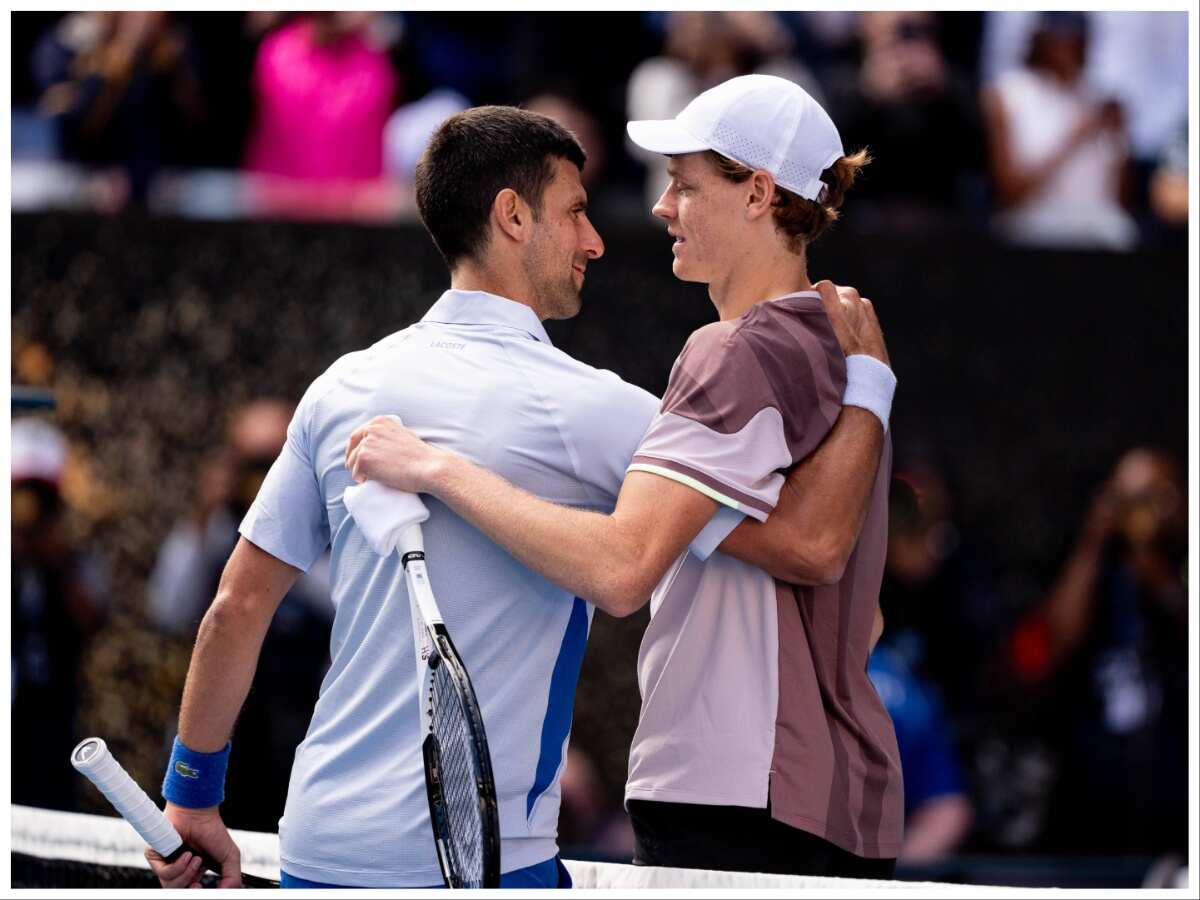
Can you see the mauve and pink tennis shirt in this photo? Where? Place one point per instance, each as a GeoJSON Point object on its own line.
{"type": "Point", "coordinates": [755, 692]}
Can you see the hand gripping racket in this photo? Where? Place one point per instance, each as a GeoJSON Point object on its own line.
{"type": "Point", "coordinates": [458, 767]}
{"type": "Point", "coordinates": [93, 759]}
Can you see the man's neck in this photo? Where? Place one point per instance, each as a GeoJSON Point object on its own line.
{"type": "Point", "coordinates": [757, 278]}
{"type": "Point", "coordinates": [472, 277]}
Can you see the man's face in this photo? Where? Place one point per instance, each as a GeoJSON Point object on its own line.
{"type": "Point", "coordinates": [563, 243]}
{"type": "Point", "coordinates": [700, 208]}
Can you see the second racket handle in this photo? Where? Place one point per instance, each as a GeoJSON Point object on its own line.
{"type": "Point", "coordinates": [93, 758]}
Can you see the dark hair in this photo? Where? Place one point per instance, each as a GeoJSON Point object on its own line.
{"type": "Point", "coordinates": [473, 156]}
{"type": "Point", "coordinates": [802, 221]}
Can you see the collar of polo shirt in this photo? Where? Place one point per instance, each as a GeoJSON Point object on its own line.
{"type": "Point", "coordinates": [456, 307]}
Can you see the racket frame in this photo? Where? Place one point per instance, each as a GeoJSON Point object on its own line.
{"type": "Point", "coordinates": [434, 649]}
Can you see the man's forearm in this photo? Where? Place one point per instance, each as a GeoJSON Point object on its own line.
{"type": "Point", "coordinates": [613, 561]}
{"type": "Point", "coordinates": [576, 549]}
{"type": "Point", "coordinates": [227, 647]}
{"type": "Point", "coordinates": [219, 677]}
{"type": "Point", "coordinates": [812, 531]}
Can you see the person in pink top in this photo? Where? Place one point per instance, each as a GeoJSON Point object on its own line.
{"type": "Point", "coordinates": [323, 94]}
{"type": "Point", "coordinates": [761, 744]}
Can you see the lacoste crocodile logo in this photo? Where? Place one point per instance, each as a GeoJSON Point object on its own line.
{"type": "Point", "coordinates": [186, 771]}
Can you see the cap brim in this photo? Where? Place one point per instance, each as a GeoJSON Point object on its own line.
{"type": "Point", "coordinates": [664, 136]}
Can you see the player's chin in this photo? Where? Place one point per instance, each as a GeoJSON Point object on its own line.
{"type": "Point", "coordinates": [684, 272]}
{"type": "Point", "coordinates": [567, 304]}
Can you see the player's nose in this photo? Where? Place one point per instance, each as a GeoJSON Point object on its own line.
{"type": "Point", "coordinates": [664, 206]}
{"type": "Point", "coordinates": [590, 241]}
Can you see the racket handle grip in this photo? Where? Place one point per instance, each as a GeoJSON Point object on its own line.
{"type": "Point", "coordinates": [93, 759]}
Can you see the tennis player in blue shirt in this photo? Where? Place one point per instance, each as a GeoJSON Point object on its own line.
{"type": "Point", "coordinates": [499, 191]}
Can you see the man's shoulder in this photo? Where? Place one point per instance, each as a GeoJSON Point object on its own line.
{"type": "Point", "coordinates": [767, 328]}
{"type": "Point", "coordinates": [714, 336]}
{"type": "Point", "coordinates": [782, 333]}
{"type": "Point", "coordinates": [780, 356]}
{"type": "Point", "coordinates": [349, 362]}
{"type": "Point", "coordinates": [565, 374]}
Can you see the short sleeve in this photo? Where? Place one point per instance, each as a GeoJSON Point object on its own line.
{"type": "Point", "coordinates": [742, 405]}
{"type": "Point", "coordinates": [288, 518]}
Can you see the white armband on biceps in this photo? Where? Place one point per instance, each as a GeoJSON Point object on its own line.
{"type": "Point", "coordinates": [869, 384]}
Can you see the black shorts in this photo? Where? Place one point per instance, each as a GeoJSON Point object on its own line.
{"type": "Point", "coordinates": [738, 839]}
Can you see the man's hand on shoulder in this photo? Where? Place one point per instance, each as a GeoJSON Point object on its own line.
{"type": "Point", "coordinates": [854, 321]}
{"type": "Point", "coordinates": [203, 830]}
{"type": "Point", "coordinates": [383, 450]}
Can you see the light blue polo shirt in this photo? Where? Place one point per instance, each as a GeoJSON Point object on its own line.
{"type": "Point", "coordinates": [477, 375]}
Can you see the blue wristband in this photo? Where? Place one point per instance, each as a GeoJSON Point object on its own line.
{"type": "Point", "coordinates": [195, 780]}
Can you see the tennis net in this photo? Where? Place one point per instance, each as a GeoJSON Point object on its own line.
{"type": "Point", "coordinates": [72, 850]}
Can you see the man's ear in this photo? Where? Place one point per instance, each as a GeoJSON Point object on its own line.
{"type": "Point", "coordinates": [512, 215]}
{"type": "Point", "coordinates": [761, 194]}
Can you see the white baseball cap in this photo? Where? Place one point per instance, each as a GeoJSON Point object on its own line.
{"type": "Point", "coordinates": [760, 121]}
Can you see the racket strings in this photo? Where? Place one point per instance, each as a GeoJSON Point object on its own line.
{"type": "Point", "coordinates": [460, 789]}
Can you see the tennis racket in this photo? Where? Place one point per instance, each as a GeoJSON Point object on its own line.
{"type": "Point", "coordinates": [93, 759]}
{"type": "Point", "coordinates": [458, 767]}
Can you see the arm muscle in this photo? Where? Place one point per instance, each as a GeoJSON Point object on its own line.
{"type": "Point", "coordinates": [812, 531]}
{"type": "Point", "coordinates": [227, 647]}
{"type": "Point", "coordinates": [613, 560]}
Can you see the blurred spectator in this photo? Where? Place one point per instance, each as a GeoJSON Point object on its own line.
{"type": "Point", "coordinates": [295, 652]}
{"type": "Point", "coordinates": [473, 55]}
{"type": "Point", "coordinates": [323, 87]}
{"type": "Point", "coordinates": [1137, 58]}
{"type": "Point", "coordinates": [702, 49]}
{"type": "Point", "coordinates": [409, 128]}
{"type": "Point", "coordinates": [60, 598]}
{"type": "Point", "coordinates": [122, 88]}
{"type": "Point", "coordinates": [1110, 641]}
{"type": "Point", "coordinates": [1058, 148]}
{"type": "Point", "coordinates": [937, 808]}
{"type": "Point", "coordinates": [917, 117]}
{"type": "Point", "coordinates": [824, 35]}
{"type": "Point", "coordinates": [1169, 184]}
{"type": "Point", "coordinates": [568, 112]}
{"type": "Point", "coordinates": [938, 597]}
{"type": "Point", "coordinates": [589, 824]}
{"type": "Point", "coordinates": [323, 94]}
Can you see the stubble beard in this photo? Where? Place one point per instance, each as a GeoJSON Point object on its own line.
{"type": "Point", "coordinates": [562, 301]}
{"type": "Point", "coordinates": [557, 298]}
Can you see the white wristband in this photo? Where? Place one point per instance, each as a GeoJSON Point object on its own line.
{"type": "Point", "coordinates": [869, 384]}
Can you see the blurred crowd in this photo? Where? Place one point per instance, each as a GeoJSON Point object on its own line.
{"type": "Point", "coordinates": [1064, 724]}
{"type": "Point", "coordinates": [1053, 129]}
